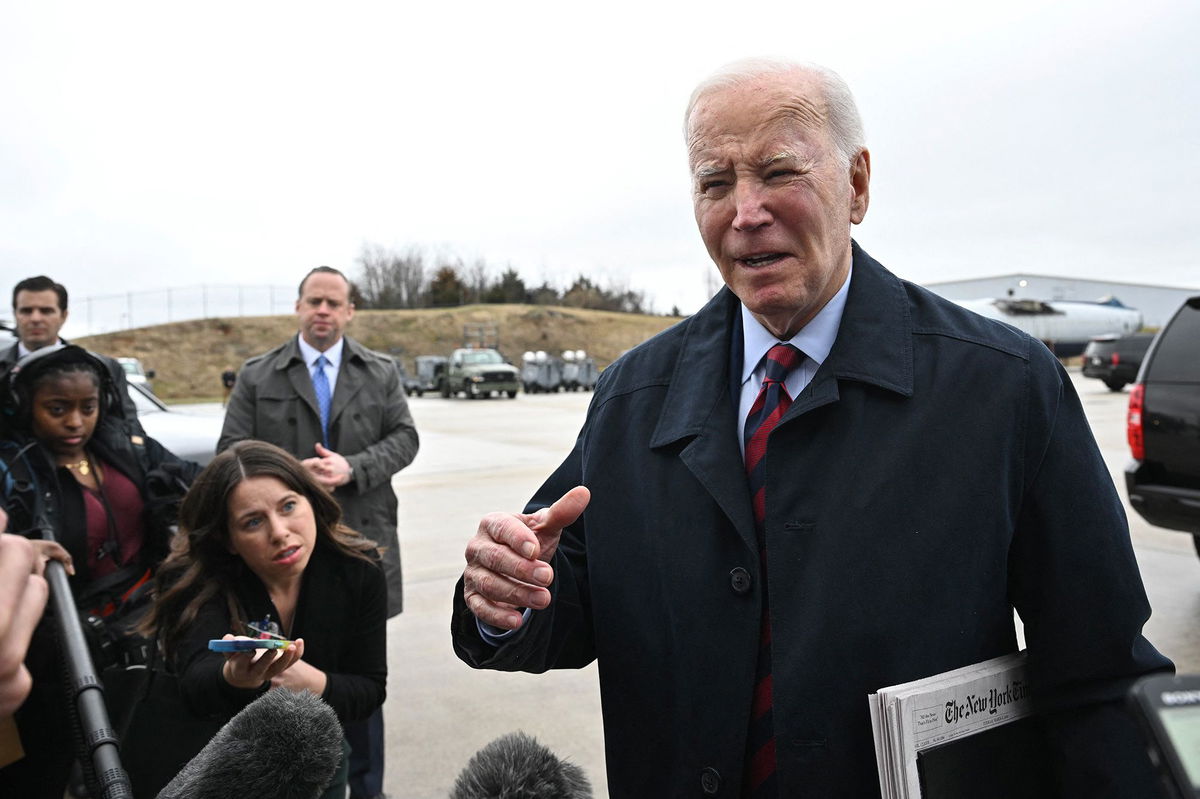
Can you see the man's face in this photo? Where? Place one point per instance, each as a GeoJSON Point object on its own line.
{"type": "Point", "coordinates": [772, 199]}
{"type": "Point", "coordinates": [38, 318]}
{"type": "Point", "coordinates": [324, 309]}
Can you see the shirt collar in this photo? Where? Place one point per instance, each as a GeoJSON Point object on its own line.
{"type": "Point", "coordinates": [815, 339]}
{"type": "Point", "coordinates": [311, 353]}
{"type": "Point", "coordinates": [22, 350]}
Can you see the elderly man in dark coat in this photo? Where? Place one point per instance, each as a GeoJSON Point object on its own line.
{"type": "Point", "coordinates": [341, 409]}
{"type": "Point", "coordinates": [826, 481]}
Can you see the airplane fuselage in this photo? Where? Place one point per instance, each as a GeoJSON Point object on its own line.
{"type": "Point", "coordinates": [1064, 325]}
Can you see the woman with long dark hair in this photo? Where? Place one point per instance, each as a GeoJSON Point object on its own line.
{"type": "Point", "coordinates": [262, 552]}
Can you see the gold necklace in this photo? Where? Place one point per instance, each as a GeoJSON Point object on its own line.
{"type": "Point", "coordinates": [83, 467]}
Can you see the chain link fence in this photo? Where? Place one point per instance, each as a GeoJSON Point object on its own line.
{"type": "Point", "coordinates": [109, 312]}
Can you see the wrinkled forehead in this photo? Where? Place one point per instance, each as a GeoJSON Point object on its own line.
{"type": "Point", "coordinates": [771, 106]}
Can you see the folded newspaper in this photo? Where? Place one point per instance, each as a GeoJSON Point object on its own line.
{"type": "Point", "coordinates": [920, 716]}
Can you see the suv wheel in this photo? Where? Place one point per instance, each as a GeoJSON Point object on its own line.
{"type": "Point", "coordinates": [1115, 385]}
{"type": "Point", "coordinates": [444, 388]}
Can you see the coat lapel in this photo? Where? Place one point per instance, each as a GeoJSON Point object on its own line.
{"type": "Point", "coordinates": [699, 407]}
{"type": "Point", "coordinates": [291, 362]}
{"type": "Point", "coordinates": [874, 340]}
{"type": "Point", "coordinates": [349, 381]}
{"type": "Point", "coordinates": [874, 345]}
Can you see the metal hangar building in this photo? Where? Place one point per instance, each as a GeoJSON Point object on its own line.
{"type": "Point", "coordinates": [1157, 303]}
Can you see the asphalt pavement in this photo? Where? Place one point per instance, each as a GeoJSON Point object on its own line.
{"type": "Point", "coordinates": [480, 456]}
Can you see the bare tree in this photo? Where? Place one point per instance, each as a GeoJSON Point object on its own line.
{"type": "Point", "coordinates": [475, 277]}
{"type": "Point", "coordinates": [411, 277]}
{"type": "Point", "coordinates": [389, 279]}
{"type": "Point", "coordinates": [407, 279]}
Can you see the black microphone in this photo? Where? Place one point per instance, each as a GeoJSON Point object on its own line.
{"type": "Point", "coordinates": [283, 745]}
{"type": "Point", "coordinates": [516, 766]}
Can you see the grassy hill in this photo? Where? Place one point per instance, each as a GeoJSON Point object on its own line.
{"type": "Point", "coordinates": [188, 357]}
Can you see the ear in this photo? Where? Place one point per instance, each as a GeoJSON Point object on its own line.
{"type": "Point", "coordinates": [860, 185]}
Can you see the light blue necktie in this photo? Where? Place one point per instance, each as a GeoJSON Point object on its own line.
{"type": "Point", "coordinates": [324, 396]}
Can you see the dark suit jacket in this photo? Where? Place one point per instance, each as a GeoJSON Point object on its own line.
{"type": "Point", "coordinates": [936, 473]}
{"type": "Point", "coordinates": [369, 424]}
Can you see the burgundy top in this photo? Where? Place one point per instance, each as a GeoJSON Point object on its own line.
{"type": "Point", "coordinates": [125, 502]}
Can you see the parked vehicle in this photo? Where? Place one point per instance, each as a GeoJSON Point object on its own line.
{"type": "Point", "coordinates": [188, 435]}
{"type": "Point", "coordinates": [429, 374]}
{"type": "Point", "coordinates": [1163, 427]}
{"type": "Point", "coordinates": [579, 371]}
{"type": "Point", "coordinates": [541, 373]}
{"type": "Point", "coordinates": [134, 373]}
{"type": "Point", "coordinates": [411, 384]}
{"type": "Point", "coordinates": [477, 373]}
{"type": "Point", "coordinates": [1115, 359]}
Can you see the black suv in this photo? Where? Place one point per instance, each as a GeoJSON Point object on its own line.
{"type": "Point", "coordinates": [1164, 427]}
{"type": "Point", "coordinates": [1115, 359]}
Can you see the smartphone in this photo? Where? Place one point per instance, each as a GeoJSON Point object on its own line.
{"type": "Point", "coordinates": [1169, 709]}
{"type": "Point", "coordinates": [244, 644]}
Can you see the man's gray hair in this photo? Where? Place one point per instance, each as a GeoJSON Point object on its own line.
{"type": "Point", "coordinates": [843, 120]}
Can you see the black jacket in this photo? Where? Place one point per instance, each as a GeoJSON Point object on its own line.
{"type": "Point", "coordinates": [34, 492]}
{"type": "Point", "coordinates": [341, 615]}
{"type": "Point", "coordinates": [161, 479]}
{"type": "Point", "coordinates": [937, 473]}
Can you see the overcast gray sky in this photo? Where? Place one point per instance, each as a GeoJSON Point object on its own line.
{"type": "Point", "coordinates": [148, 145]}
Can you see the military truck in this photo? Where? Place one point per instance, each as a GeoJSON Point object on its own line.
{"type": "Point", "coordinates": [476, 372]}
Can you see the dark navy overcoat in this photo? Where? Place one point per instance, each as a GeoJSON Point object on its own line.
{"type": "Point", "coordinates": [937, 473]}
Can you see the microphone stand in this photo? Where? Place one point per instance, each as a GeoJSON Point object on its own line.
{"type": "Point", "coordinates": [101, 756]}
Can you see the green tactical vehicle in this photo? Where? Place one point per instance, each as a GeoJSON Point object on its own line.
{"type": "Point", "coordinates": [477, 372]}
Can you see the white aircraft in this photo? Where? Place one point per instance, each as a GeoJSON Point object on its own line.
{"type": "Point", "coordinates": [1064, 325]}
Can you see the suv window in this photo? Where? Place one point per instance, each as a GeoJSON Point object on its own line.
{"type": "Point", "coordinates": [1100, 348]}
{"type": "Point", "coordinates": [1177, 356]}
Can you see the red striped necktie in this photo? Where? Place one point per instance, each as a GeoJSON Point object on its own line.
{"type": "Point", "coordinates": [772, 403]}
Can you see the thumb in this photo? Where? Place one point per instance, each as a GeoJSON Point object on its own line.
{"type": "Point", "coordinates": [320, 448]}
{"type": "Point", "coordinates": [565, 511]}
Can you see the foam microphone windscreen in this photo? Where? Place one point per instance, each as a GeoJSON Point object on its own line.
{"type": "Point", "coordinates": [516, 766]}
{"type": "Point", "coordinates": [283, 745]}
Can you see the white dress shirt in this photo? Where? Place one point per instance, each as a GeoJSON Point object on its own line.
{"type": "Point", "coordinates": [333, 355]}
{"type": "Point", "coordinates": [815, 340]}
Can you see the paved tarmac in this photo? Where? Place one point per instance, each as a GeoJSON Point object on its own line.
{"type": "Point", "coordinates": [479, 456]}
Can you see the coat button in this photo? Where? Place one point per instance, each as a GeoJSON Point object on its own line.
{"type": "Point", "coordinates": [739, 581]}
{"type": "Point", "coordinates": [710, 781]}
